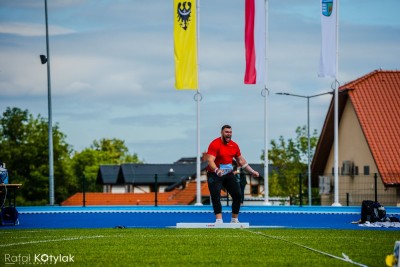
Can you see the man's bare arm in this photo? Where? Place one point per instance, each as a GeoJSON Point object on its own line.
{"type": "Point", "coordinates": [243, 163]}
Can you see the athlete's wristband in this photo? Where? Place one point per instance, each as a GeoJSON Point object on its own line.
{"type": "Point", "coordinates": [250, 169]}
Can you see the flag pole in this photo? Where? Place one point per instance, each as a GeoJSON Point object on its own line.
{"type": "Point", "coordinates": [266, 93]}
{"type": "Point", "coordinates": [198, 98]}
{"type": "Point", "coordinates": [336, 119]}
{"type": "Point", "coordinates": [50, 123]}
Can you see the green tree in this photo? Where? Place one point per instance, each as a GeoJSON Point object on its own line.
{"type": "Point", "coordinates": [302, 143]}
{"type": "Point", "coordinates": [290, 158]}
{"type": "Point", "coordinates": [24, 149]}
{"type": "Point", "coordinates": [105, 151]}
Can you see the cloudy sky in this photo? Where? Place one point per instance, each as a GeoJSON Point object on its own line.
{"type": "Point", "coordinates": [112, 69]}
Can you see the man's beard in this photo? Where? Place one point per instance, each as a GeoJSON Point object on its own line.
{"type": "Point", "coordinates": [224, 139]}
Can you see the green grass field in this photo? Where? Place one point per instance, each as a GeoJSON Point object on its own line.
{"type": "Point", "coordinates": [195, 247]}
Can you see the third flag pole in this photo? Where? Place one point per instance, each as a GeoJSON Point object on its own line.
{"type": "Point", "coordinates": [328, 67]}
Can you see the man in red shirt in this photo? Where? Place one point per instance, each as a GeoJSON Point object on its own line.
{"type": "Point", "coordinates": [220, 155]}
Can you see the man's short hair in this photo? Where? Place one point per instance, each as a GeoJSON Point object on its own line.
{"type": "Point", "coordinates": [225, 126]}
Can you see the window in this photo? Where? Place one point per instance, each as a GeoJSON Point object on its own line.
{"type": "Point", "coordinates": [366, 170]}
{"type": "Point", "coordinates": [254, 190]}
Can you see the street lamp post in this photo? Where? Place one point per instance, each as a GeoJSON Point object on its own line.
{"type": "Point", "coordinates": [308, 137]}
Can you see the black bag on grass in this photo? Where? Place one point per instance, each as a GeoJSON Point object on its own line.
{"type": "Point", "coordinates": [372, 211]}
{"type": "Point", "coordinates": [8, 215]}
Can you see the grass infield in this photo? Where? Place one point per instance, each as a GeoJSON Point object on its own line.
{"type": "Point", "coordinates": [195, 247]}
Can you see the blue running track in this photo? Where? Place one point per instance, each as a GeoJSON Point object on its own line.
{"type": "Point", "coordinates": [318, 217]}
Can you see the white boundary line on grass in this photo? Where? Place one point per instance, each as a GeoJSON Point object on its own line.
{"type": "Point", "coordinates": [51, 240]}
{"type": "Point", "coordinates": [345, 257]}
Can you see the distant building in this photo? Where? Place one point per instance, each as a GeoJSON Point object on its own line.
{"type": "Point", "coordinates": [141, 178]}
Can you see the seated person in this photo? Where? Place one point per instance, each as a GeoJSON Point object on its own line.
{"type": "Point", "coordinates": [3, 175]}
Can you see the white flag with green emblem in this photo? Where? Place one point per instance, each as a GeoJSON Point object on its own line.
{"type": "Point", "coordinates": [328, 60]}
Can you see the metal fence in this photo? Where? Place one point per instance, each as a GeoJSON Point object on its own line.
{"type": "Point", "coordinates": [353, 189]}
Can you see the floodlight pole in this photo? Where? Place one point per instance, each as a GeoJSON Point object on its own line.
{"type": "Point", "coordinates": [308, 138]}
{"type": "Point", "coordinates": [50, 133]}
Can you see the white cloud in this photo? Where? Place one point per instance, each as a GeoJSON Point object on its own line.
{"type": "Point", "coordinates": [30, 29]}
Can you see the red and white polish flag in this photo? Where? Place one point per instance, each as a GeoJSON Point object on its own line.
{"type": "Point", "coordinates": [255, 41]}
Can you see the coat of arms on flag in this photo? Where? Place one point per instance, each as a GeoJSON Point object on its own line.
{"type": "Point", "coordinates": [327, 7]}
{"type": "Point", "coordinates": [184, 11]}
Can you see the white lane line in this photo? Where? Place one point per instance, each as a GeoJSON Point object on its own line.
{"type": "Point", "coordinates": [51, 240]}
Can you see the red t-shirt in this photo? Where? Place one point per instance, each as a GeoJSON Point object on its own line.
{"type": "Point", "coordinates": [223, 153]}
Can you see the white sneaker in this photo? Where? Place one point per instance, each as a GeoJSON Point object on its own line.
{"type": "Point", "coordinates": [219, 221]}
{"type": "Point", "coordinates": [235, 220]}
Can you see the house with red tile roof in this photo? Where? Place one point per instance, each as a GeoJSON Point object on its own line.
{"type": "Point", "coordinates": [369, 142]}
